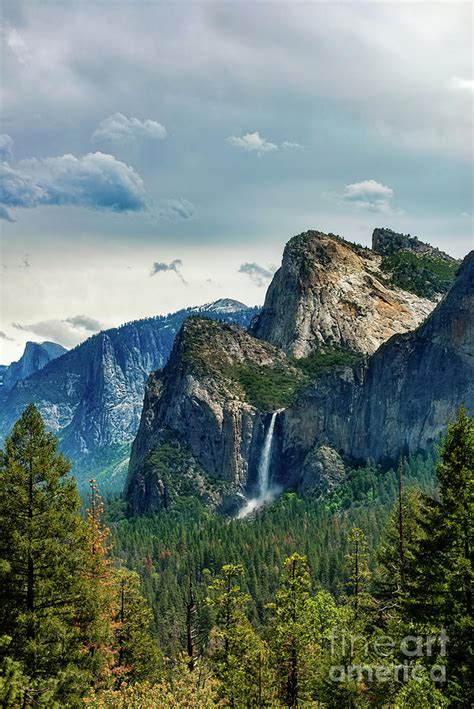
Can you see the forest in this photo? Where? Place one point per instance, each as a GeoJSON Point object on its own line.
{"type": "Point", "coordinates": [362, 598]}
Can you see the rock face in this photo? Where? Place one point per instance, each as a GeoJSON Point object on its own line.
{"type": "Point", "coordinates": [199, 400]}
{"type": "Point", "coordinates": [387, 242]}
{"type": "Point", "coordinates": [330, 291]}
{"type": "Point", "coordinates": [34, 358]}
{"type": "Point", "coordinates": [92, 396]}
{"type": "Point", "coordinates": [400, 400]}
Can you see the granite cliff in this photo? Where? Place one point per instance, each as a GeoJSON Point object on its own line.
{"type": "Point", "coordinates": [328, 290]}
{"type": "Point", "coordinates": [396, 402]}
{"type": "Point", "coordinates": [206, 400]}
{"type": "Point", "coordinates": [35, 357]}
{"type": "Point", "coordinates": [212, 401]}
{"type": "Point", "coordinates": [92, 396]}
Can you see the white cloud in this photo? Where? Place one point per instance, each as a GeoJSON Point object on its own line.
{"type": "Point", "coordinates": [16, 44]}
{"type": "Point", "coordinates": [368, 195]}
{"type": "Point", "coordinates": [121, 129]}
{"type": "Point", "coordinates": [95, 181]}
{"type": "Point", "coordinates": [252, 143]}
{"type": "Point", "coordinates": [255, 143]}
{"type": "Point", "coordinates": [462, 84]}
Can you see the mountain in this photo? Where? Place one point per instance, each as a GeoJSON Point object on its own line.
{"type": "Point", "coordinates": [213, 406]}
{"type": "Point", "coordinates": [205, 405]}
{"type": "Point", "coordinates": [330, 291]}
{"type": "Point", "coordinates": [417, 267]}
{"type": "Point", "coordinates": [92, 396]}
{"type": "Point", "coordinates": [399, 401]}
{"type": "Point", "coordinates": [35, 356]}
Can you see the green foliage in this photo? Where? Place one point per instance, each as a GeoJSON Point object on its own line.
{"type": "Point", "coordinates": [426, 276]}
{"type": "Point", "coordinates": [108, 466]}
{"type": "Point", "coordinates": [181, 476]}
{"type": "Point", "coordinates": [269, 388]}
{"type": "Point", "coordinates": [40, 525]}
{"type": "Point", "coordinates": [273, 628]}
{"type": "Point", "coordinates": [441, 574]}
{"type": "Point", "coordinates": [290, 636]}
{"type": "Point", "coordinates": [325, 360]}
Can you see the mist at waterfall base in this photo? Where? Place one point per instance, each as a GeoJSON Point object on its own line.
{"type": "Point", "coordinates": [266, 491]}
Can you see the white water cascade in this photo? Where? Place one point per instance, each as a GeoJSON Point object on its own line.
{"type": "Point", "coordinates": [266, 492]}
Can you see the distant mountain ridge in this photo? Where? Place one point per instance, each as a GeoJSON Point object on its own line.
{"type": "Point", "coordinates": [92, 396]}
{"type": "Point", "coordinates": [35, 356]}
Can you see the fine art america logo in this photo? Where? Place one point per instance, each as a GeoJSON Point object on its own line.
{"type": "Point", "coordinates": [412, 648]}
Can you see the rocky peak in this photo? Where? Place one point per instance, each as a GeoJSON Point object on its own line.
{"type": "Point", "coordinates": [328, 291]}
{"type": "Point", "coordinates": [212, 399]}
{"type": "Point", "coordinates": [387, 242]}
{"type": "Point", "coordinates": [399, 401]}
{"type": "Point", "coordinates": [35, 357]}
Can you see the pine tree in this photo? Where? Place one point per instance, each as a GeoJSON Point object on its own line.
{"type": "Point", "coordinates": [291, 631]}
{"type": "Point", "coordinates": [40, 526]}
{"type": "Point", "coordinates": [138, 658]}
{"type": "Point", "coordinates": [440, 576]}
{"type": "Point", "coordinates": [359, 573]}
{"type": "Point", "coordinates": [238, 655]}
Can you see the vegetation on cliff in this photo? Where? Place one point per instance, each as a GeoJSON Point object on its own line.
{"type": "Point", "coordinates": [422, 274]}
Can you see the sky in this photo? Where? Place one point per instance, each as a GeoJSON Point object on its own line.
{"type": "Point", "coordinates": [155, 155]}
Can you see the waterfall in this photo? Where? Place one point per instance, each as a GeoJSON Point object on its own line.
{"type": "Point", "coordinates": [265, 460]}
{"type": "Point", "coordinates": [266, 491]}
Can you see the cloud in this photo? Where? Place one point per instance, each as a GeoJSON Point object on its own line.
{"type": "Point", "coordinates": [254, 143]}
{"type": "Point", "coordinates": [84, 322]}
{"type": "Point", "coordinates": [6, 215]}
{"type": "Point", "coordinates": [6, 147]}
{"type": "Point", "coordinates": [258, 274]}
{"type": "Point", "coordinates": [462, 84]}
{"type": "Point", "coordinates": [120, 129]}
{"type": "Point", "coordinates": [16, 44]}
{"type": "Point", "coordinates": [3, 336]}
{"type": "Point", "coordinates": [174, 209]}
{"type": "Point", "coordinates": [94, 181]}
{"type": "Point", "coordinates": [67, 331]}
{"type": "Point", "coordinates": [175, 266]}
{"type": "Point", "coordinates": [369, 195]}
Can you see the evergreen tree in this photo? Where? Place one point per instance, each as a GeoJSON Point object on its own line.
{"type": "Point", "coordinates": [291, 631]}
{"type": "Point", "coordinates": [238, 655]}
{"type": "Point", "coordinates": [138, 657]}
{"type": "Point", "coordinates": [41, 562]}
{"type": "Point", "coordinates": [358, 571]}
{"type": "Point", "coordinates": [441, 573]}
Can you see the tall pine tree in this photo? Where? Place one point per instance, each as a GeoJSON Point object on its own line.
{"type": "Point", "coordinates": [41, 559]}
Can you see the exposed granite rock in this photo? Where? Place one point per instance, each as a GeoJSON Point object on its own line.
{"type": "Point", "coordinates": [35, 356]}
{"type": "Point", "coordinates": [322, 471]}
{"type": "Point", "coordinates": [330, 291]}
{"type": "Point", "coordinates": [400, 400]}
{"type": "Point", "coordinates": [199, 401]}
{"type": "Point", "coordinates": [92, 397]}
